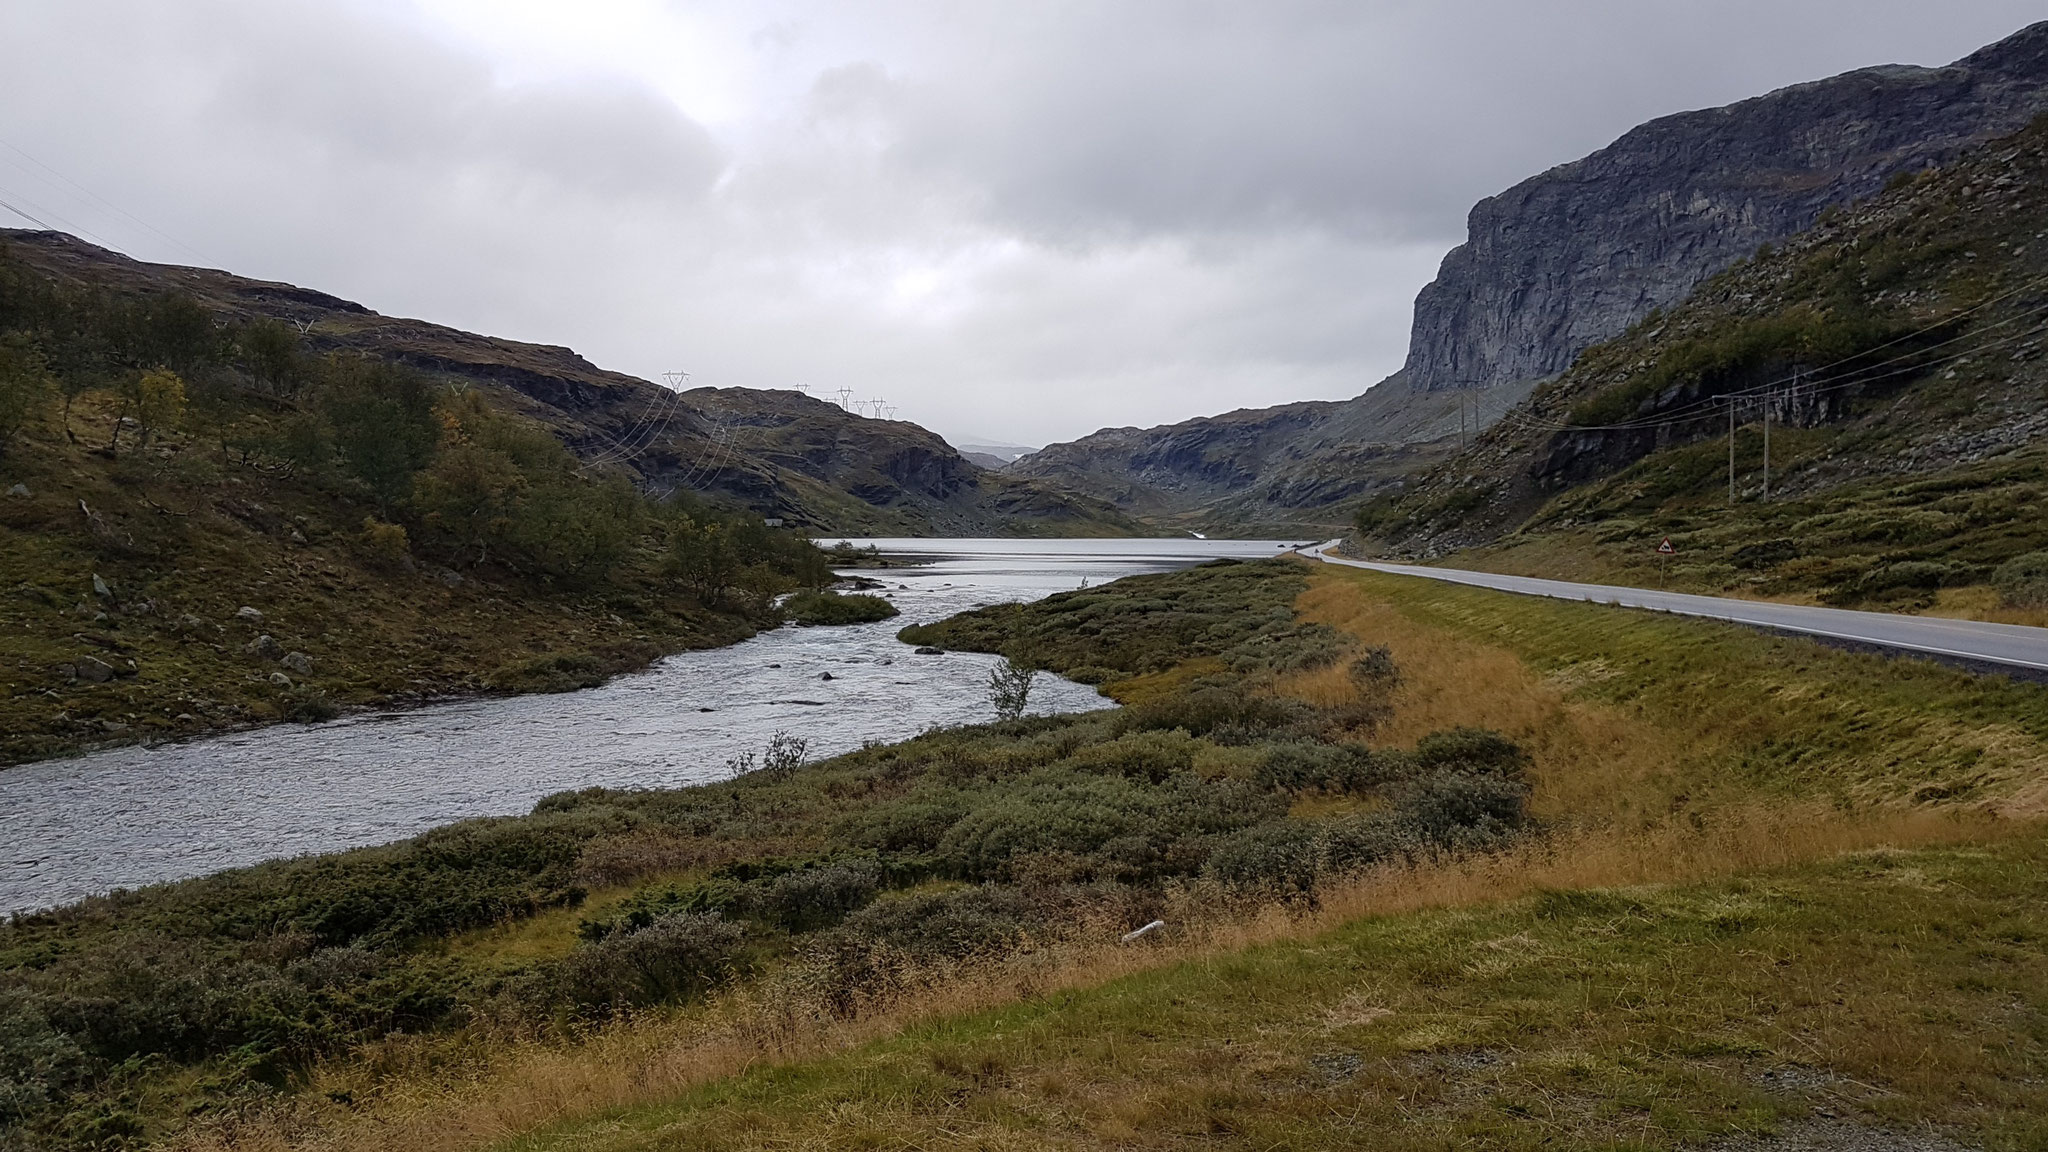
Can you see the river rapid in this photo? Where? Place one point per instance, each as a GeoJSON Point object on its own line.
{"type": "Point", "coordinates": [142, 815]}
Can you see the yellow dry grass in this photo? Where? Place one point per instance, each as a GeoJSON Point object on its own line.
{"type": "Point", "coordinates": [1588, 762]}
{"type": "Point", "coordinates": [415, 1103]}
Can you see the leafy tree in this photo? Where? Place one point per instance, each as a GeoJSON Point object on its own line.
{"type": "Point", "coordinates": [1009, 687]}
{"type": "Point", "coordinates": [270, 350]}
{"type": "Point", "coordinates": [470, 494]}
{"type": "Point", "coordinates": [704, 557]}
{"type": "Point", "coordinates": [384, 426]}
{"type": "Point", "coordinates": [24, 386]}
{"type": "Point", "coordinates": [158, 400]}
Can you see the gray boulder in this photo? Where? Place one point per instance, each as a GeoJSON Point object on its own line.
{"type": "Point", "coordinates": [93, 670]}
{"type": "Point", "coordinates": [265, 646]}
{"type": "Point", "coordinates": [248, 615]}
{"type": "Point", "coordinates": [298, 663]}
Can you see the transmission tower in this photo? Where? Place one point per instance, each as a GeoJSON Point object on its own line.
{"type": "Point", "coordinates": [675, 380]}
{"type": "Point", "coordinates": [846, 399]}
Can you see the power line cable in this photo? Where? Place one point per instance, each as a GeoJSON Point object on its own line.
{"type": "Point", "coordinates": [68, 226]}
{"type": "Point", "coordinates": [103, 201]}
{"type": "Point", "coordinates": [1713, 403]}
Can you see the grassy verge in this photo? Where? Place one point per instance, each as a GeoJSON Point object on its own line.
{"type": "Point", "coordinates": [1903, 544]}
{"type": "Point", "coordinates": [1888, 989]}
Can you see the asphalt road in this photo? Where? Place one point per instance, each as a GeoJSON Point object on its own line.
{"type": "Point", "coordinates": [2012, 645]}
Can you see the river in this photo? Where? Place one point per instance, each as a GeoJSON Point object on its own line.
{"type": "Point", "coordinates": [127, 817]}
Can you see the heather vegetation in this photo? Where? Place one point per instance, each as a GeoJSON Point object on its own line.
{"type": "Point", "coordinates": [393, 531]}
{"type": "Point", "coordinates": [855, 880]}
{"type": "Point", "coordinates": [828, 607]}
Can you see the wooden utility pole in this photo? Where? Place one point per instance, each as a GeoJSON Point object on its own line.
{"type": "Point", "coordinates": [1767, 444]}
{"type": "Point", "coordinates": [1731, 450]}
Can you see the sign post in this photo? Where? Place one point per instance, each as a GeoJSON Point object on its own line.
{"type": "Point", "coordinates": [1664, 554]}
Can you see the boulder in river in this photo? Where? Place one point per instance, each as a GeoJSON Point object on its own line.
{"type": "Point", "coordinates": [827, 676]}
{"type": "Point", "coordinates": [928, 650]}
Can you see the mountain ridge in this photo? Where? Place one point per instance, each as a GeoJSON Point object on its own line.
{"type": "Point", "coordinates": [1552, 265]}
{"type": "Point", "coordinates": [850, 474]}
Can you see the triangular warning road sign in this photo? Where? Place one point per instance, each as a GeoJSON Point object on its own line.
{"type": "Point", "coordinates": [1666, 547]}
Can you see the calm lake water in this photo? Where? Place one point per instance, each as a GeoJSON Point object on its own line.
{"type": "Point", "coordinates": [134, 816]}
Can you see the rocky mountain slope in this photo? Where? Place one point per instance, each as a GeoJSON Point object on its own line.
{"type": "Point", "coordinates": [780, 454]}
{"type": "Point", "coordinates": [1559, 262]}
{"type": "Point", "coordinates": [1895, 350]}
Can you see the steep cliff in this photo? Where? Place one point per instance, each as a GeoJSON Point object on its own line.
{"type": "Point", "coordinates": [778, 453]}
{"type": "Point", "coordinates": [1556, 264]}
{"type": "Point", "coordinates": [1577, 254]}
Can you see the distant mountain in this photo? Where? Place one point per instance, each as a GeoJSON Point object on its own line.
{"type": "Point", "coordinates": [781, 454]}
{"type": "Point", "coordinates": [1558, 263]}
{"type": "Point", "coordinates": [1000, 453]}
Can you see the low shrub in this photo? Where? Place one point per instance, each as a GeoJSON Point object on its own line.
{"type": "Point", "coordinates": [672, 958]}
{"type": "Point", "coordinates": [984, 920]}
{"type": "Point", "coordinates": [827, 607]}
{"type": "Point", "coordinates": [1283, 856]}
{"type": "Point", "coordinates": [2022, 581]}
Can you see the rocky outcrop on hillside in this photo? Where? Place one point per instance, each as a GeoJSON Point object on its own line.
{"type": "Point", "coordinates": [782, 454]}
{"type": "Point", "coordinates": [1558, 263]}
{"type": "Point", "coordinates": [1574, 256]}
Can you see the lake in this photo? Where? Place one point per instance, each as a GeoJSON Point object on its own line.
{"type": "Point", "coordinates": [132, 816]}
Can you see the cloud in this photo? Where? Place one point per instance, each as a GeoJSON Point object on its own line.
{"type": "Point", "coordinates": [1023, 220]}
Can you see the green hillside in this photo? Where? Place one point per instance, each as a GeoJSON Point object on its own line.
{"type": "Point", "coordinates": [1896, 351]}
{"type": "Point", "coordinates": [205, 524]}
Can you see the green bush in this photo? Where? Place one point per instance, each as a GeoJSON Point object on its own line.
{"type": "Point", "coordinates": [984, 920]}
{"type": "Point", "coordinates": [673, 957]}
{"type": "Point", "coordinates": [1284, 855]}
{"type": "Point", "coordinates": [828, 607]}
{"type": "Point", "coordinates": [1109, 827]}
{"type": "Point", "coordinates": [2022, 581]}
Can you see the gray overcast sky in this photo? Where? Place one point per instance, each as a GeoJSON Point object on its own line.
{"type": "Point", "coordinates": [1020, 221]}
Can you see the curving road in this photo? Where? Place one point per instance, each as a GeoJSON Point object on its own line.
{"type": "Point", "coordinates": [2011, 645]}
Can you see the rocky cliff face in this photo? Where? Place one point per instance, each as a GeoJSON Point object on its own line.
{"type": "Point", "coordinates": [1556, 264]}
{"type": "Point", "coordinates": [1574, 256]}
